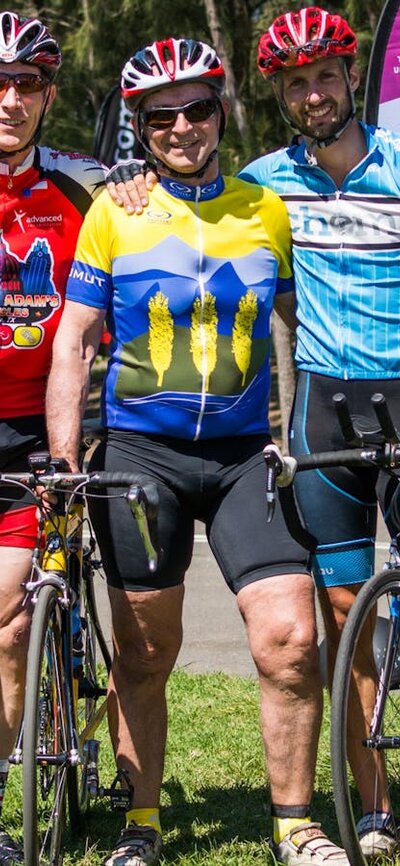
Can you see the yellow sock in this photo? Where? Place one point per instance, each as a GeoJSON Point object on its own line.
{"type": "Point", "coordinates": [145, 818]}
{"type": "Point", "coordinates": [283, 826]}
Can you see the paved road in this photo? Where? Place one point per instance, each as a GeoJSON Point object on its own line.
{"type": "Point", "coordinates": [214, 635]}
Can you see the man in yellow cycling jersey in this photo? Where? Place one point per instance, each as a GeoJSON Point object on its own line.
{"type": "Point", "coordinates": [188, 289]}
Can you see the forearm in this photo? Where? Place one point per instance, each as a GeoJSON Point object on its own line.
{"type": "Point", "coordinates": [65, 405]}
{"type": "Point", "coordinates": [74, 351]}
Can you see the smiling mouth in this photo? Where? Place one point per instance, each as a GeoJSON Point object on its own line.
{"type": "Point", "coordinates": [319, 113]}
{"type": "Point", "coordinates": [4, 121]}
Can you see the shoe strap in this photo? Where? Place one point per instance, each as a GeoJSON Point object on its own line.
{"type": "Point", "coordinates": [382, 821]}
{"type": "Point", "coordinates": [312, 837]}
{"type": "Point", "coordinates": [303, 834]}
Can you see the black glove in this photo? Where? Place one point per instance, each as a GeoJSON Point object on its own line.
{"type": "Point", "coordinates": [125, 170]}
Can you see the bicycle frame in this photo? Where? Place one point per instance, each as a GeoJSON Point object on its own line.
{"type": "Point", "coordinates": [59, 751]}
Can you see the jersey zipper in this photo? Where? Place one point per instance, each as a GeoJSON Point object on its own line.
{"type": "Point", "coordinates": [203, 336]}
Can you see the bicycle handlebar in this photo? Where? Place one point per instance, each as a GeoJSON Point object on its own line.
{"type": "Point", "coordinates": [379, 446]}
{"type": "Point", "coordinates": [142, 496]}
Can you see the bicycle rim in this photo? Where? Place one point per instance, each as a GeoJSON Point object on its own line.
{"type": "Point", "coordinates": [369, 650]}
{"type": "Point", "coordinates": [45, 743]}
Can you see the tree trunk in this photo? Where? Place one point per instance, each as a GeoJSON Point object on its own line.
{"type": "Point", "coordinates": [283, 344]}
{"type": "Point", "coordinates": [237, 105]}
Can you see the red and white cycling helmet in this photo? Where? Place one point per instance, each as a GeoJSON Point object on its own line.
{"type": "Point", "coordinates": [302, 37]}
{"type": "Point", "coordinates": [170, 61]}
{"type": "Point", "coordinates": [27, 40]}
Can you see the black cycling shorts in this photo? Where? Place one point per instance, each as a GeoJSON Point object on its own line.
{"type": "Point", "coordinates": [339, 505]}
{"type": "Point", "coordinates": [220, 482]}
{"type": "Point", "coordinates": [18, 438]}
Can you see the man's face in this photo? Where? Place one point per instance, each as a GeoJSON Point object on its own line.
{"type": "Point", "coordinates": [316, 96]}
{"type": "Point", "coordinates": [20, 112]}
{"type": "Point", "coordinates": [185, 145]}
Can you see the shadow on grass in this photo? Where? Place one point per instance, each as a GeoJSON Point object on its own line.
{"type": "Point", "coordinates": [213, 817]}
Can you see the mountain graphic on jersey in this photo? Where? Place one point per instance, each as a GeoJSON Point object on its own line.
{"type": "Point", "coordinates": [27, 292]}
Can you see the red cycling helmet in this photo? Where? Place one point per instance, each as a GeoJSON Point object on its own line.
{"type": "Point", "coordinates": [27, 40]}
{"type": "Point", "coordinates": [170, 61]}
{"type": "Point", "coordinates": [302, 37]}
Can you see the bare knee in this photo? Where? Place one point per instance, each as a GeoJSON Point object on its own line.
{"type": "Point", "coordinates": [147, 633]}
{"type": "Point", "coordinates": [286, 653]}
{"type": "Point", "coordinates": [14, 637]}
{"type": "Point", "coordinates": [282, 632]}
{"type": "Point", "coordinates": [141, 659]}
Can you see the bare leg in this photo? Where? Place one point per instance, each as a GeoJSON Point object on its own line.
{"type": "Point", "coordinates": [15, 565]}
{"type": "Point", "coordinates": [367, 766]}
{"type": "Point", "coordinates": [147, 634]}
{"type": "Point", "coordinates": [279, 613]}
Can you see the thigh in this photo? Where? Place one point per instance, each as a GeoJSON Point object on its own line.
{"type": "Point", "coordinates": [121, 547]}
{"type": "Point", "coordinates": [338, 504]}
{"type": "Point", "coordinates": [15, 564]}
{"type": "Point", "coordinates": [246, 547]}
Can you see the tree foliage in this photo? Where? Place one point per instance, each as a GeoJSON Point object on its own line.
{"type": "Point", "coordinates": [98, 37]}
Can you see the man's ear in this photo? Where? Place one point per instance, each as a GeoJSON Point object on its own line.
{"type": "Point", "coordinates": [52, 92]}
{"type": "Point", "coordinates": [354, 77]}
{"type": "Point", "coordinates": [226, 107]}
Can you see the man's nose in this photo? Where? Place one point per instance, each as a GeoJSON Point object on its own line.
{"type": "Point", "coordinates": [181, 124]}
{"type": "Point", "coordinates": [10, 96]}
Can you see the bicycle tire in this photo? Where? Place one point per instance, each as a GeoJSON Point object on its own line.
{"type": "Point", "coordinates": [87, 693]}
{"type": "Point", "coordinates": [46, 732]}
{"type": "Point", "coordinates": [376, 609]}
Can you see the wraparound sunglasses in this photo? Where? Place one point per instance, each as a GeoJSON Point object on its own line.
{"type": "Point", "coordinates": [24, 82]}
{"type": "Point", "coordinates": [195, 112]}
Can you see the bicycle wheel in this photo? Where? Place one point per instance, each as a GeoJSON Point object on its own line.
{"type": "Point", "coordinates": [368, 736]}
{"type": "Point", "coordinates": [45, 743]}
{"type": "Point", "coordinates": [88, 709]}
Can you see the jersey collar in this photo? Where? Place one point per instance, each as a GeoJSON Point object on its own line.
{"type": "Point", "coordinates": [201, 192]}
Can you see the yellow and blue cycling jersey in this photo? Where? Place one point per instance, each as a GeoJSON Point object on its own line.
{"type": "Point", "coordinates": [188, 287]}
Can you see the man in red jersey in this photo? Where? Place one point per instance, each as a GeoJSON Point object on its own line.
{"type": "Point", "coordinates": [44, 195]}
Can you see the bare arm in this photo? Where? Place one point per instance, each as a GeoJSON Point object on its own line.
{"type": "Point", "coordinates": [285, 306]}
{"type": "Point", "coordinates": [74, 351]}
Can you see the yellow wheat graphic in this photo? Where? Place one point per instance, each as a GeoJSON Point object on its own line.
{"type": "Point", "coordinates": [242, 331]}
{"type": "Point", "coordinates": [203, 336]}
{"type": "Point", "coordinates": [161, 335]}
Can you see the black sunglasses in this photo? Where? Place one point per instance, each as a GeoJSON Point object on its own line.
{"type": "Point", "coordinates": [24, 82]}
{"type": "Point", "coordinates": [195, 112]}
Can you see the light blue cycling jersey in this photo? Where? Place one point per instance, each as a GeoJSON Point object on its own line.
{"type": "Point", "coordinates": [346, 257]}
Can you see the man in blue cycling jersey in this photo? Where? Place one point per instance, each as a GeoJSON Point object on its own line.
{"type": "Point", "coordinates": [341, 184]}
{"type": "Point", "coordinates": [188, 289]}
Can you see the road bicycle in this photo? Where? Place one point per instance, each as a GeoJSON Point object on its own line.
{"type": "Point", "coordinates": [65, 696]}
{"type": "Point", "coordinates": [369, 649]}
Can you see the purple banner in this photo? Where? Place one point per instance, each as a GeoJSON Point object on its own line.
{"type": "Point", "coordinates": [382, 94]}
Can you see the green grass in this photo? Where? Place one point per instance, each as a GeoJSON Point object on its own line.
{"type": "Point", "coordinates": [215, 798]}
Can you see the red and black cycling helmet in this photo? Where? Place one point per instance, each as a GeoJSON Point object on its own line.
{"type": "Point", "coordinates": [167, 62]}
{"type": "Point", "coordinates": [27, 40]}
{"type": "Point", "coordinates": [301, 37]}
